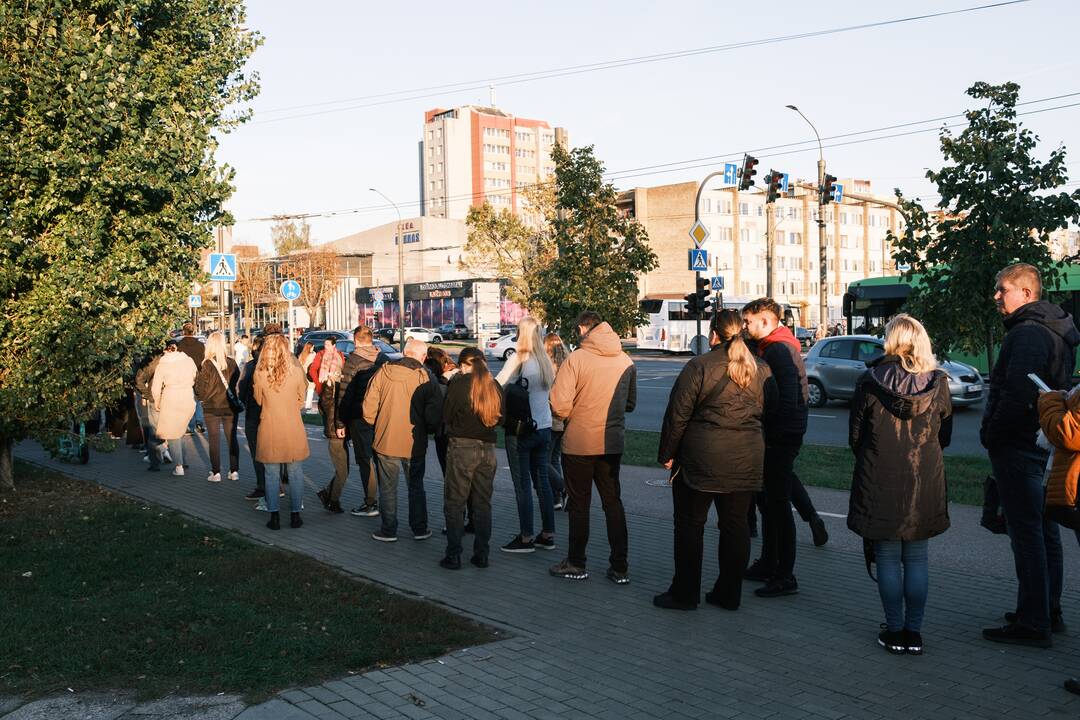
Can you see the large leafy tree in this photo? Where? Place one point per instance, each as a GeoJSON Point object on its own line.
{"type": "Point", "coordinates": [108, 188]}
{"type": "Point", "coordinates": [599, 253]}
{"type": "Point", "coordinates": [997, 207]}
{"type": "Point", "coordinates": [319, 276]}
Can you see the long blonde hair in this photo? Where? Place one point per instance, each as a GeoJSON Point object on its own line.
{"type": "Point", "coordinates": [556, 350]}
{"type": "Point", "coordinates": [274, 359]}
{"type": "Point", "coordinates": [742, 367]}
{"type": "Point", "coordinates": [530, 344]}
{"type": "Point", "coordinates": [215, 350]}
{"type": "Point", "coordinates": [906, 338]}
{"type": "Point", "coordinates": [309, 348]}
{"type": "Point", "coordinates": [484, 393]}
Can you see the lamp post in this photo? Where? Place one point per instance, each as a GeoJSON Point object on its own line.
{"type": "Point", "coordinates": [823, 277]}
{"type": "Point", "coordinates": [400, 265]}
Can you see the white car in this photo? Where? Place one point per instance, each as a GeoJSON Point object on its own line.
{"type": "Point", "coordinates": [422, 334]}
{"type": "Point", "coordinates": [502, 347]}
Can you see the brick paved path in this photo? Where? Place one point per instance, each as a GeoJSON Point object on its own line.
{"type": "Point", "coordinates": [596, 650]}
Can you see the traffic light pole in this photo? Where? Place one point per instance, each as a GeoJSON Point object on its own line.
{"type": "Point", "coordinates": [769, 249]}
{"type": "Point", "coordinates": [697, 218]}
{"type": "Point", "coordinates": [823, 275]}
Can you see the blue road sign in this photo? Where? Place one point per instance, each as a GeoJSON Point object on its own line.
{"type": "Point", "coordinates": [699, 260]}
{"type": "Point", "coordinates": [377, 305]}
{"type": "Point", "coordinates": [194, 301]}
{"type": "Point", "coordinates": [718, 282]}
{"type": "Point", "coordinates": [784, 183]}
{"type": "Point", "coordinates": [731, 173]}
{"type": "Point", "coordinates": [290, 290]}
{"type": "Point", "coordinates": [838, 192]}
{"type": "Point", "coordinates": [223, 267]}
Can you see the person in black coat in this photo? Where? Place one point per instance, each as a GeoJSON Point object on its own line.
{"type": "Point", "coordinates": [218, 374]}
{"type": "Point", "coordinates": [245, 388]}
{"type": "Point", "coordinates": [713, 441]}
{"type": "Point", "coordinates": [900, 423]}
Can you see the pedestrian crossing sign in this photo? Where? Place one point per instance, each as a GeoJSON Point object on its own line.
{"type": "Point", "coordinates": [699, 260]}
{"type": "Point", "coordinates": [223, 267]}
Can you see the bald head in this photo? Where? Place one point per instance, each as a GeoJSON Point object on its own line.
{"type": "Point", "coordinates": [416, 349]}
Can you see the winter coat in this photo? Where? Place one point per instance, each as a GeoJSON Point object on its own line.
{"type": "Point", "coordinates": [713, 429]}
{"type": "Point", "coordinates": [144, 377]}
{"type": "Point", "coordinates": [174, 396]}
{"type": "Point", "coordinates": [1040, 338]}
{"type": "Point", "coordinates": [593, 391]}
{"type": "Point", "coordinates": [211, 392]}
{"type": "Point", "coordinates": [245, 389]}
{"type": "Point", "coordinates": [461, 419]}
{"type": "Point", "coordinates": [1059, 417]}
{"type": "Point", "coordinates": [404, 404]}
{"type": "Point", "coordinates": [360, 366]}
{"type": "Point", "coordinates": [282, 438]}
{"type": "Point", "coordinates": [193, 348]}
{"type": "Point", "coordinates": [315, 368]}
{"type": "Point", "coordinates": [782, 351]}
{"type": "Point", "coordinates": [899, 425]}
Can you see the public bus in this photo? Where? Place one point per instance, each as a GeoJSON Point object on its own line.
{"type": "Point", "coordinates": [669, 328]}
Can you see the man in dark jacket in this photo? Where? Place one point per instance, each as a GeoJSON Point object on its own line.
{"type": "Point", "coordinates": [360, 367]}
{"type": "Point", "coordinates": [1040, 338]}
{"type": "Point", "coordinates": [195, 350]}
{"type": "Point", "coordinates": [783, 439]}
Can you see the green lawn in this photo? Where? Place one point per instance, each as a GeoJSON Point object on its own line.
{"type": "Point", "coordinates": [102, 593]}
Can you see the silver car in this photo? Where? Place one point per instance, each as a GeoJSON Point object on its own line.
{"type": "Point", "coordinates": [834, 364]}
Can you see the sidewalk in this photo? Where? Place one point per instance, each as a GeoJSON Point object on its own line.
{"type": "Point", "coordinates": [596, 650]}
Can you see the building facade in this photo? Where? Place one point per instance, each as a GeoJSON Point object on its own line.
{"type": "Point", "coordinates": [471, 155]}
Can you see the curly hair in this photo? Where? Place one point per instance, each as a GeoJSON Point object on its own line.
{"type": "Point", "coordinates": [274, 359]}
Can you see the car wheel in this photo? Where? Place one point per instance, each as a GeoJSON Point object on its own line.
{"type": "Point", "coordinates": [508, 354]}
{"type": "Point", "coordinates": [815, 394]}
{"type": "Point", "coordinates": [436, 339]}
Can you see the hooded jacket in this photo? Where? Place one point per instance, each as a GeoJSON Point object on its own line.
{"type": "Point", "coordinates": [593, 391]}
{"type": "Point", "coordinates": [404, 404]}
{"type": "Point", "coordinates": [1040, 338]}
{"type": "Point", "coordinates": [899, 425]}
{"type": "Point", "coordinates": [782, 351]}
{"type": "Point", "coordinates": [360, 366]}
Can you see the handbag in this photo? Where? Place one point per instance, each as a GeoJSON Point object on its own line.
{"type": "Point", "coordinates": [235, 403]}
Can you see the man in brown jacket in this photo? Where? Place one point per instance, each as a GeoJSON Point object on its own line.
{"type": "Point", "coordinates": [403, 404]}
{"type": "Point", "coordinates": [594, 389]}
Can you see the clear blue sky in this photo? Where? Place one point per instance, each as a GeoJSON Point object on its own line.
{"type": "Point", "coordinates": [643, 115]}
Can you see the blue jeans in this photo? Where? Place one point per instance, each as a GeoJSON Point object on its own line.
{"type": "Point", "coordinates": [388, 469]}
{"type": "Point", "coordinates": [197, 418]}
{"type": "Point", "coordinates": [296, 485]}
{"type": "Point", "coordinates": [1036, 542]}
{"type": "Point", "coordinates": [533, 455]}
{"type": "Point", "coordinates": [903, 595]}
{"type": "Point", "coordinates": [555, 474]}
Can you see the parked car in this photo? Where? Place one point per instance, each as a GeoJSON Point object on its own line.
{"type": "Point", "coordinates": [386, 334]}
{"type": "Point", "coordinates": [316, 338]}
{"type": "Point", "coordinates": [347, 346]}
{"type": "Point", "coordinates": [834, 364]}
{"type": "Point", "coordinates": [457, 331]}
{"type": "Point", "coordinates": [423, 334]}
{"type": "Point", "coordinates": [805, 337]}
{"type": "Point", "coordinates": [502, 347]}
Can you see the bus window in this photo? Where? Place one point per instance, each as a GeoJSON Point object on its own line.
{"type": "Point", "coordinates": [651, 306]}
{"type": "Point", "coordinates": [677, 311]}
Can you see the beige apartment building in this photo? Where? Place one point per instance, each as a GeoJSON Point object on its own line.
{"type": "Point", "coordinates": [471, 154]}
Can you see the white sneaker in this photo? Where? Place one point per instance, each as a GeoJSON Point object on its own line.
{"type": "Point", "coordinates": [234, 475]}
{"type": "Point", "coordinates": [261, 505]}
{"type": "Point", "coordinates": [214, 477]}
{"type": "Point", "coordinates": [178, 470]}
{"type": "Point", "coordinates": [165, 456]}
{"type": "Point", "coordinates": [146, 458]}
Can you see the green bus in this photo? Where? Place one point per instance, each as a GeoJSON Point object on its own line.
{"type": "Point", "coordinates": [870, 303]}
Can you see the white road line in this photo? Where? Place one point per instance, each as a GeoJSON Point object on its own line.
{"type": "Point", "coordinates": [835, 515]}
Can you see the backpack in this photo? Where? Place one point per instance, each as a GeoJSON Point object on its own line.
{"type": "Point", "coordinates": [351, 405]}
{"type": "Point", "coordinates": [518, 416]}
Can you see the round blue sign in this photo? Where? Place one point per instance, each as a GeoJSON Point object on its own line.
{"type": "Point", "coordinates": [290, 290]}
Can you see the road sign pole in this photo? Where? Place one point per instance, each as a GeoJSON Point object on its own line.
{"type": "Point", "coordinates": [288, 318]}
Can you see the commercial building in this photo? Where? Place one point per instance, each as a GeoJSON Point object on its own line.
{"type": "Point", "coordinates": [471, 154]}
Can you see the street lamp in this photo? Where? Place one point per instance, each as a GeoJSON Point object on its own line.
{"type": "Point", "coordinates": [823, 278]}
{"type": "Point", "coordinates": [400, 265]}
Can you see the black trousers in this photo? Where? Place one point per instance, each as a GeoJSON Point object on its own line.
{"type": "Point", "coordinates": [778, 524]}
{"type": "Point", "coordinates": [251, 432]}
{"type": "Point", "coordinates": [362, 435]}
{"type": "Point", "coordinates": [470, 475]}
{"type": "Point", "coordinates": [581, 472]}
{"type": "Point", "coordinates": [799, 498]}
{"type": "Point", "coordinates": [215, 424]}
{"type": "Point", "coordinates": [691, 510]}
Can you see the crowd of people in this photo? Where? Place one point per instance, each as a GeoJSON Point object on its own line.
{"type": "Point", "coordinates": [732, 430]}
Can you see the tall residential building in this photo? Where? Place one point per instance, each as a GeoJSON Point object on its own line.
{"type": "Point", "coordinates": [472, 154]}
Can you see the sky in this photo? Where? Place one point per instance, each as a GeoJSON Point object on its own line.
{"type": "Point", "coordinates": [309, 148]}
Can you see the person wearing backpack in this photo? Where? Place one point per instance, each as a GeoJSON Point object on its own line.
{"type": "Point", "coordinates": [526, 380]}
{"type": "Point", "coordinates": [360, 366]}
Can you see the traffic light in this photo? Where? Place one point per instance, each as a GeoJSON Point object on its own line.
{"type": "Point", "coordinates": [828, 191]}
{"type": "Point", "coordinates": [746, 176]}
{"type": "Point", "coordinates": [691, 304]}
{"type": "Point", "coordinates": [775, 180]}
{"type": "Point", "coordinates": [698, 302]}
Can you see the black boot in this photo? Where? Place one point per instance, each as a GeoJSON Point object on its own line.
{"type": "Point", "coordinates": [817, 528]}
{"type": "Point", "coordinates": [294, 520]}
{"type": "Point", "coordinates": [275, 521]}
{"type": "Point", "coordinates": [324, 497]}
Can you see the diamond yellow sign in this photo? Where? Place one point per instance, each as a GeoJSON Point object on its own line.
{"type": "Point", "coordinates": [699, 234]}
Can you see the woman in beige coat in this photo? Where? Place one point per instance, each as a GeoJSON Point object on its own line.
{"type": "Point", "coordinates": [279, 390]}
{"type": "Point", "coordinates": [174, 399]}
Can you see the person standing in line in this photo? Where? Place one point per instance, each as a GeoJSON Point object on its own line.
{"type": "Point", "coordinates": [443, 368]}
{"type": "Point", "coordinates": [279, 390]}
{"type": "Point", "coordinates": [472, 411]}
{"type": "Point", "coordinates": [1040, 338]}
{"type": "Point", "coordinates": [556, 352]}
{"type": "Point", "coordinates": [252, 413]}
{"type": "Point", "coordinates": [148, 414]}
{"type": "Point", "coordinates": [306, 358]}
{"type": "Point", "coordinates": [595, 388]}
{"type": "Point", "coordinates": [325, 372]}
{"type": "Point", "coordinates": [402, 403]}
{"type": "Point", "coordinates": [713, 443]}
{"type": "Point", "coordinates": [781, 351]}
{"type": "Point", "coordinates": [901, 409]}
{"type": "Point", "coordinates": [194, 349]}
{"type": "Point", "coordinates": [241, 351]}
{"type": "Point", "coordinates": [217, 375]}
{"type": "Point", "coordinates": [360, 366]}
{"type": "Point", "coordinates": [174, 399]}
{"type": "Point", "coordinates": [531, 364]}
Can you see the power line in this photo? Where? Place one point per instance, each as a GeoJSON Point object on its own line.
{"type": "Point", "coordinates": [420, 93]}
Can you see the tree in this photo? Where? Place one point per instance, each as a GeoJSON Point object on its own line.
{"type": "Point", "coordinates": [995, 210]}
{"type": "Point", "coordinates": [317, 273]}
{"type": "Point", "coordinates": [109, 113]}
{"type": "Point", "coordinates": [289, 236]}
{"type": "Point", "coordinates": [254, 280]}
{"type": "Point", "coordinates": [600, 253]}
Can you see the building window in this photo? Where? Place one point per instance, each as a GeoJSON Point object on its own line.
{"type": "Point", "coordinates": [725, 234]}
{"type": "Point", "coordinates": [744, 235]}
{"type": "Point", "coordinates": [745, 288]}
{"type": "Point", "coordinates": [708, 205]}
{"type": "Point", "coordinates": [779, 237]}
{"type": "Point", "coordinates": [843, 218]}
{"type": "Point", "coordinates": [843, 241]}
{"type": "Point", "coordinates": [727, 207]}
{"type": "Point", "coordinates": [794, 238]}
{"type": "Point", "coordinates": [759, 211]}
{"type": "Point", "coordinates": [793, 213]}
{"type": "Point", "coordinates": [744, 208]}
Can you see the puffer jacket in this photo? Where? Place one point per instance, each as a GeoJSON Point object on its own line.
{"type": "Point", "coordinates": [899, 424]}
{"type": "Point", "coordinates": [1059, 417]}
{"type": "Point", "coordinates": [714, 432]}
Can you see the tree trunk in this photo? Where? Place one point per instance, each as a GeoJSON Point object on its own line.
{"type": "Point", "coordinates": [989, 351]}
{"type": "Point", "coordinates": [7, 472]}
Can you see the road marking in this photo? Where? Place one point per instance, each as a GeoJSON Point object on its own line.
{"type": "Point", "coordinates": [831, 417]}
{"type": "Point", "coordinates": [835, 515]}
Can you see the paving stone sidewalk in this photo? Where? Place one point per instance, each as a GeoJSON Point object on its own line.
{"type": "Point", "coordinates": [596, 650]}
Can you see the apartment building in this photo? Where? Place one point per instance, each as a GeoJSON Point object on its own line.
{"type": "Point", "coordinates": [471, 154]}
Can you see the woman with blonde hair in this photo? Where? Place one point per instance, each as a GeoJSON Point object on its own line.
{"type": "Point", "coordinates": [901, 421]}
{"type": "Point", "coordinates": [279, 389]}
{"type": "Point", "coordinates": [217, 377]}
{"type": "Point", "coordinates": [713, 443]}
{"type": "Point", "coordinates": [556, 352]}
{"type": "Point", "coordinates": [530, 368]}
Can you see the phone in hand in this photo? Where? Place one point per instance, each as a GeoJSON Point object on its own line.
{"type": "Point", "coordinates": [1038, 382]}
